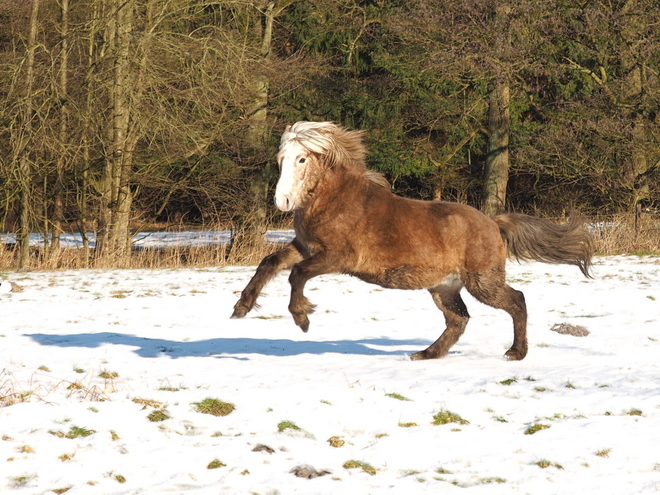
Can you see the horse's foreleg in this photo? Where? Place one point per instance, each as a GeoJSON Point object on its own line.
{"type": "Point", "coordinates": [299, 306]}
{"type": "Point", "coordinates": [270, 266]}
{"type": "Point", "coordinates": [448, 299]}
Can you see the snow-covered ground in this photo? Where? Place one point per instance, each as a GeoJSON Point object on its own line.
{"type": "Point", "coordinates": [580, 415]}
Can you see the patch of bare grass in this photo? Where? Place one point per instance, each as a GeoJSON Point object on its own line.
{"type": "Point", "coordinates": [353, 464]}
{"type": "Point", "coordinates": [74, 432]}
{"type": "Point", "coordinates": [215, 407]}
{"type": "Point", "coordinates": [445, 417]}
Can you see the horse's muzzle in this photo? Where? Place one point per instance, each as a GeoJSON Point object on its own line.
{"type": "Point", "coordinates": [284, 202]}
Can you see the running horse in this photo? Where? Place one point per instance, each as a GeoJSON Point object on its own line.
{"type": "Point", "coordinates": [347, 220]}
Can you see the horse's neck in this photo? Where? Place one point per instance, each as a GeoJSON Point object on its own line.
{"type": "Point", "coordinates": [342, 185]}
{"type": "Point", "coordinates": [336, 190]}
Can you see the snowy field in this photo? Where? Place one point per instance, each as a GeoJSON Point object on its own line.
{"type": "Point", "coordinates": [103, 375]}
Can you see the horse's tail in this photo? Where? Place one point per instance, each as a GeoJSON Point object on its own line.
{"type": "Point", "coordinates": [530, 238]}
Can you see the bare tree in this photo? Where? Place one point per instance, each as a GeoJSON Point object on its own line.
{"type": "Point", "coordinates": [116, 195]}
{"type": "Point", "coordinates": [23, 141]}
{"type": "Point", "coordinates": [63, 131]}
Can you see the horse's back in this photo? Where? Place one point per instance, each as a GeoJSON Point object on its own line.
{"type": "Point", "coordinates": [463, 233]}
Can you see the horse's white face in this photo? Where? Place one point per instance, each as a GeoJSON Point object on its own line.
{"type": "Point", "coordinates": [294, 160]}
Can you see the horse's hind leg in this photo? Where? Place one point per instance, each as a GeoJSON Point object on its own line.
{"type": "Point", "coordinates": [491, 288]}
{"type": "Point", "coordinates": [270, 266]}
{"type": "Point", "coordinates": [448, 299]}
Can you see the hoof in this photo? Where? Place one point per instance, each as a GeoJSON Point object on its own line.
{"type": "Point", "coordinates": [421, 356]}
{"type": "Point", "coordinates": [515, 354]}
{"type": "Point", "coordinates": [428, 354]}
{"type": "Point", "coordinates": [239, 312]}
{"type": "Point", "coordinates": [302, 321]}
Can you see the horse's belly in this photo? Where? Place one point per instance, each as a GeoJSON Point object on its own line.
{"type": "Point", "coordinates": [403, 277]}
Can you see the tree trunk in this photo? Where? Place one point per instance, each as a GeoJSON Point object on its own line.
{"type": "Point", "coordinates": [121, 156]}
{"type": "Point", "coordinates": [497, 160]}
{"type": "Point", "coordinates": [256, 221]}
{"type": "Point", "coordinates": [84, 170]}
{"type": "Point", "coordinates": [634, 88]}
{"type": "Point", "coordinates": [116, 195]}
{"type": "Point", "coordinates": [24, 165]}
{"type": "Point", "coordinates": [58, 201]}
{"type": "Point", "coordinates": [258, 112]}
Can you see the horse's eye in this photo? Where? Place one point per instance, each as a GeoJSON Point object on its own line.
{"type": "Point", "coordinates": [302, 160]}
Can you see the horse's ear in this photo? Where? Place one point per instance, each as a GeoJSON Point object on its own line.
{"type": "Point", "coordinates": [287, 129]}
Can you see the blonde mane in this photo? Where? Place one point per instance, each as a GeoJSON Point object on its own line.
{"type": "Point", "coordinates": [338, 145]}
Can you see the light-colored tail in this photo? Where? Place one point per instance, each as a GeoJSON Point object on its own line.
{"type": "Point", "coordinates": [531, 238]}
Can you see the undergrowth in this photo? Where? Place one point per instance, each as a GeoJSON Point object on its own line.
{"type": "Point", "coordinates": [245, 251]}
{"type": "Point", "coordinates": [612, 235]}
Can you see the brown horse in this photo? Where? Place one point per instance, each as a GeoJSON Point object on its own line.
{"type": "Point", "coordinates": [347, 220]}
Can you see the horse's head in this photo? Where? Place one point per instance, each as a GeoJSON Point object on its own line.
{"type": "Point", "coordinates": [301, 148]}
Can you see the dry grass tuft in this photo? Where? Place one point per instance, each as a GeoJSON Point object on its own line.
{"type": "Point", "coordinates": [158, 415]}
{"type": "Point", "coordinates": [215, 464]}
{"type": "Point", "coordinates": [336, 442]}
{"type": "Point", "coordinates": [535, 428]}
{"type": "Point", "coordinates": [619, 235]}
{"type": "Point", "coordinates": [243, 252]}
{"type": "Point", "coordinates": [248, 248]}
{"type": "Point", "coordinates": [147, 402]}
{"type": "Point", "coordinates": [353, 464]}
{"type": "Point", "coordinates": [12, 392]}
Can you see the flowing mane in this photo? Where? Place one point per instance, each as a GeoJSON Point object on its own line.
{"type": "Point", "coordinates": [338, 146]}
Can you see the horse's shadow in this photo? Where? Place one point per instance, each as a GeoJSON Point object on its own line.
{"type": "Point", "coordinates": [236, 348]}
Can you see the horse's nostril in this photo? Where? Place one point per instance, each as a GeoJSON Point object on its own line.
{"type": "Point", "coordinates": [284, 203]}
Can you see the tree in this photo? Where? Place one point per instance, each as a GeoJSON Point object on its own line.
{"type": "Point", "coordinates": [496, 174]}
{"type": "Point", "coordinates": [583, 95]}
{"type": "Point", "coordinates": [597, 98]}
{"type": "Point", "coordinates": [258, 131]}
{"type": "Point", "coordinates": [351, 79]}
{"type": "Point", "coordinates": [23, 140]}
{"type": "Point", "coordinates": [142, 114]}
{"type": "Point", "coordinates": [63, 131]}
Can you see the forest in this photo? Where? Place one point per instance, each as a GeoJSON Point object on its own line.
{"type": "Point", "coordinates": [121, 115]}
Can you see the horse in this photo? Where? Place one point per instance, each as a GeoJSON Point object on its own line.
{"type": "Point", "coordinates": [347, 220]}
